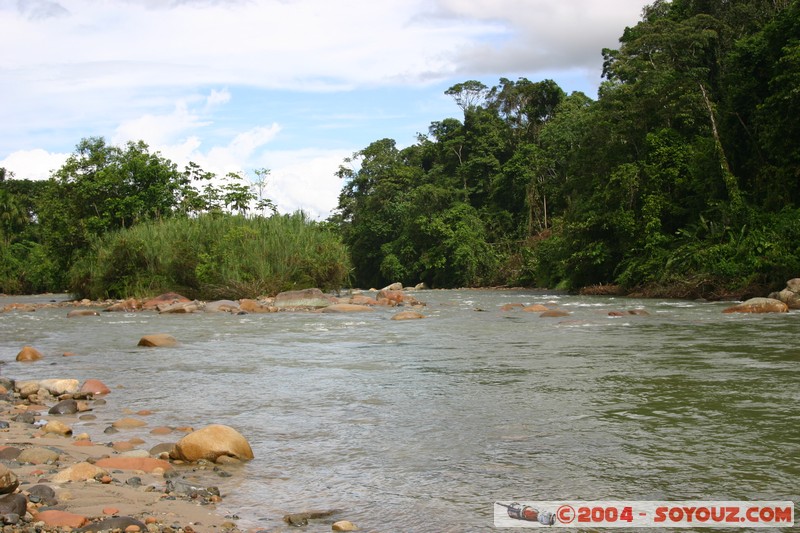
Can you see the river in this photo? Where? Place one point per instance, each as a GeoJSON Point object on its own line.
{"type": "Point", "coordinates": [422, 425]}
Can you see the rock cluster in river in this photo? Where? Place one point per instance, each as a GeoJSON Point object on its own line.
{"type": "Point", "coordinates": [790, 295]}
{"type": "Point", "coordinates": [309, 300]}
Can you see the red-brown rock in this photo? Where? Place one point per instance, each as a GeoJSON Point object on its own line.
{"type": "Point", "coordinates": [536, 308]}
{"type": "Point", "coordinates": [94, 386]}
{"type": "Point", "coordinates": [759, 305]}
{"type": "Point", "coordinates": [164, 299]}
{"type": "Point", "coordinates": [125, 306]}
{"type": "Point", "coordinates": [393, 296]}
{"type": "Point", "coordinates": [29, 353]}
{"type": "Point", "coordinates": [158, 340]}
{"type": "Point", "coordinates": [253, 306]}
{"type": "Point", "coordinates": [54, 518]}
{"type": "Point", "coordinates": [144, 464]}
{"type": "Point", "coordinates": [82, 312]}
{"type": "Point", "coordinates": [407, 315]}
{"type": "Point", "coordinates": [554, 313]}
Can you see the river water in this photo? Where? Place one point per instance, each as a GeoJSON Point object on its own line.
{"type": "Point", "coordinates": [422, 425]}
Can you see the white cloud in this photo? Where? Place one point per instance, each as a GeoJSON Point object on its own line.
{"type": "Point", "coordinates": [36, 164]}
{"type": "Point", "coordinates": [304, 179]}
{"type": "Point", "coordinates": [166, 72]}
{"type": "Point", "coordinates": [541, 34]}
{"type": "Point", "coordinates": [218, 97]}
{"type": "Point", "coordinates": [159, 129]}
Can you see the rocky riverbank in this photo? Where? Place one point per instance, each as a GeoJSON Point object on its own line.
{"type": "Point", "coordinates": [69, 462]}
{"type": "Point", "coordinates": [55, 477]}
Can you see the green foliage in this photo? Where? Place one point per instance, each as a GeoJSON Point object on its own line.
{"type": "Point", "coordinates": [685, 173]}
{"type": "Point", "coordinates": [221, 256]}
{"type": "Point", "coordinates": [26, 268]}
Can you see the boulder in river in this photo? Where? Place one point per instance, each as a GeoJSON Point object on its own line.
{"type": "Point", "coordinates": [211, 442]}
{"type": "Point", "coordinates": [29, 353]}
{"type": "Point", "coordinates": [407, 315]}
{"type": "Point", "coordinates": [94, 386]}
{"type": "Point", "coordinates": [82, 312]}
{"type": "Point", "coordinates": [165, 299]}
{"type": "Point", "coordinates": [790, 295]}
{"type": "Point", "coordinates": [347, 308]}
{"type": "Point", "coordinates": [221, 306]}
{"type": "Point", "coordinates": [125, 306]}
{"type": "Point", "coordinates": [759, 305]}
{"type": "Point", "coordinates": [305, 298]}
{"type": "Point", "coordinates": [158, 340]}
{"type": "Point", "coordinates": [253, 306]}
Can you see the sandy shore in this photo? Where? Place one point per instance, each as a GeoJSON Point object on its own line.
{"type": "Point", "coordinates": [172, 497]}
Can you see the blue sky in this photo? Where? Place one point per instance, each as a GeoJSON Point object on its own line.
{"type": "Point", "coordinates": [290, 85]}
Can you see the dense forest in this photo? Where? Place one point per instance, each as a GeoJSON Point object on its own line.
{"type": "Point", "coordinates": [123, 221]}
{"type": "Point", "coordinates": [682, 178]}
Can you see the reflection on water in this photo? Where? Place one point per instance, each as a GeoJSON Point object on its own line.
{"type": "Point", "coordinates": [422, 425]}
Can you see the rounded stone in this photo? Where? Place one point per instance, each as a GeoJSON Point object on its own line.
{"type": "Point", "coordinates": [55, 518]}
{"type": "Point", "coordinates": [344, 525]}
{"type": "Point", "coordinates": [65, 407]}
{"type": "Point", "coordinates": [38, 456]}
{"type": "Point", "coordinates": [94, 386]}
{"type": "Point", "coordinates": [44, 493]}
{"type": "Point", "coordinates": [128, 423]}
{"type": "Point", "coordinates": [144, 464]}
{"type": "Point", "coordinates": [82, 312]}
{"type": "Point", "coordinates": [158, 340]}
{"type": "Point", "coordinates": [211, 442]}
{"type": "Point", "coordinates": [58, 387]}
{"type": "Point", "coordinates": [78, 472]}
{"type": "Point", "coordinates": [29, 353]}
{"type": "Point", "coordinates": [536, 308]}
{"type": "Point", "coordinates": [407, 315]}
{"type": "Point", "coordinates": [8, 480]}
{"type": "Point", "coordinates": [57, 427]}
{"type": "Point", "coordinates": [759, 305]}
{"type": "Point", "coordinates": [13, 504]}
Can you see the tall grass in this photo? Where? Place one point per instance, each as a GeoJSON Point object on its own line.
{"type": "Point", "coordinates": [213, 256]}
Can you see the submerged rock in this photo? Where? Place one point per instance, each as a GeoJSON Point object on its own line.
{"type": "Point", "coordinates": [554, 313]}
{"type": "Point", "coordinates": [759, 305]}
{"type": "Point", "coordinates": [158, 340]}
{"type": "Point", "coordinates": [166, 299]}
{"type": "Point", "coordinates": [347, 308]}
{"type": "Point", "coordinates": [302, 298]}
{"type": "Point", "coordinates": [407, 315]}
{"type": "Point", "coordinates": [82, 312]}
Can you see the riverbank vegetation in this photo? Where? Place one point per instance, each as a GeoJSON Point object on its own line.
{"type": "Point", "coordinates": [122, 221]}
{"type": "Point", "coordinates": [681, 179]}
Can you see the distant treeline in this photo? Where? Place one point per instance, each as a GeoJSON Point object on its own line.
{"type": "Point", "coordinates": [682, 178]}
{"type": "Point", "coordinates": [122, 221]}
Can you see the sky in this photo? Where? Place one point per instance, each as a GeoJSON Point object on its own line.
{"type": "Point", "coordinates": [293, 86]}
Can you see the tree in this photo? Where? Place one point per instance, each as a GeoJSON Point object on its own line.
{"type": "Point", "coordinates": [468, 95]}
{"type": "Point", "coordinates": [260, 184]}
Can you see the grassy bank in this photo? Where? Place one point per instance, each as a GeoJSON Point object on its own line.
{"type": "Point", "coordinates": [212, 257]}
